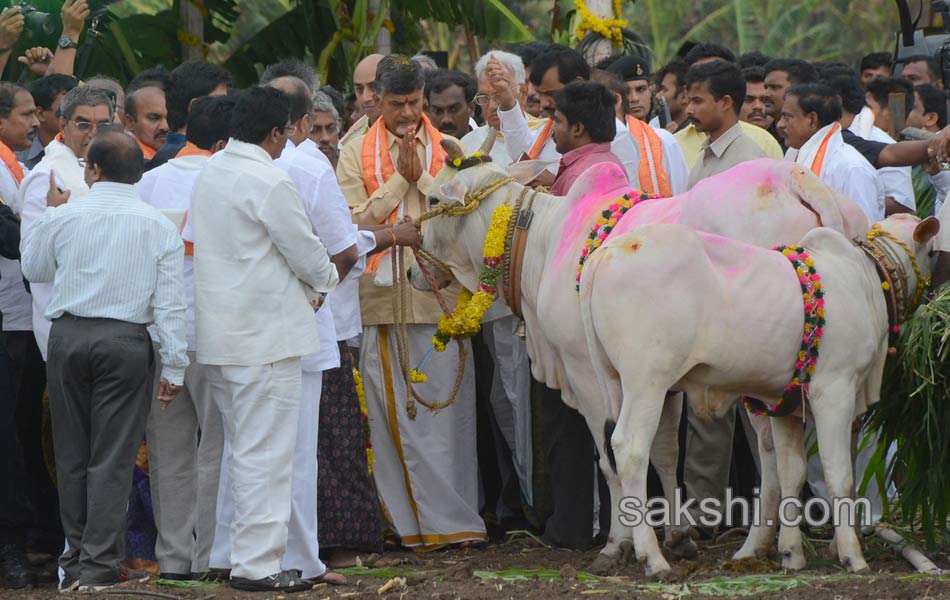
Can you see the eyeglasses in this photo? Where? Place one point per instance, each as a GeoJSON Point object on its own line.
{"type": "Point", "coordinates": [87, 126]}
{"type": "Point", "coordinates": [290, 129]}
{"type": "Point", "coordinates": [484, 99]}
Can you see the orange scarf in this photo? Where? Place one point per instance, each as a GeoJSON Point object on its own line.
{"type": "Point", "coordinates": [10, 160]}
{"type": "Point", "coordinates": [819, 161]}
{"type": "Point", "coordinates": [378, 164]}
{"type": "Point", "coordinates": [190, 149]}
{"type": "Point", "coordinates": [653, 178]}
{"type": "Point", "coordinates": [543, 136]}
{"type": "Point", "coordinates": [148, 151]}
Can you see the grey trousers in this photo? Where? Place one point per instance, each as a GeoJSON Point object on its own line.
{"type": "Point", "coordinates": [709, 453]}
{"type": "Point", "coordinates": [99, 373]}
{"type": "Point", "coordinates": [185, 442]}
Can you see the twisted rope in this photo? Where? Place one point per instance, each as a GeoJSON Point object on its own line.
{"type": "Point", "coordinates": [401, 296]}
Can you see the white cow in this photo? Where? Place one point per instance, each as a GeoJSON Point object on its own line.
{"type": "Point", "coordinates": [717, 319]}
{"type": "Point", "coordinates": [763, 202]}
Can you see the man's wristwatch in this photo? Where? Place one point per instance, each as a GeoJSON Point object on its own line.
{"type": "Point", "coordinates": [66, 42]}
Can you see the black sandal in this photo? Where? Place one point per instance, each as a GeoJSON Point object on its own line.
{"type": "Point", "coordinates": [285, 581]}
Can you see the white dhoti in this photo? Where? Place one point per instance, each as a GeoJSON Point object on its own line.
{"type": "Point", "coordinates": [426, 469]}
{"type": "Point", "coordinates": [260, 408]}
{"type": "Point", "coordinates": [511, 395]}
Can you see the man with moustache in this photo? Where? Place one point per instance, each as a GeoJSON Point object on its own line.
{"type": "Point", "coordinates": [550, 72]}
{"type": "Point", "coordinates": [21, 391]}
{"type": "Point", "coordinates": [662, 168]}
{"type": "Point", "coordinates": [781, 74]}
{"type": "Point", "coordinates": [716, 92]}
{"type": "Point", "coordinates": [146, 118]}
{"type": "Point", "coordinates": [364, 84]}
{"type": "Point", "coordinates": [754, 108]}
{"type": "Point", "coordinates": [325, 132]}
{"type": "Point", "coordinates": [450, 103]}
{"type": "Point", "coordinates": [426, 468]}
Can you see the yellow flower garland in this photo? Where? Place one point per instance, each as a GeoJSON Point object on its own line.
{"type": "Point", "coordinates": [361, 394]}
{"type": "Point", "coordinates": [466, 319]}
{"type": "Point", "coordinates": [609, 29]}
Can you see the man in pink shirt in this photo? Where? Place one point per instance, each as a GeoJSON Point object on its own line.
{"type": "Point", "coordinates": [584, 127]}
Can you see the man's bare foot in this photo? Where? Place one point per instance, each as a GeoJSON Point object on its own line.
{"type": "Point", "coordinates": [330, 578]}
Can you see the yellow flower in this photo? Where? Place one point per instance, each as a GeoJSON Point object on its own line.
{"type": "Point", "coordinates": [457, 162]}
{"type": "Point", "coordinates": [416, 376]}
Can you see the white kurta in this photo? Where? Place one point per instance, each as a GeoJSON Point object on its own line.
{"type": "Point", "coordinates": [15, 302]}
{"type": "Point", "coordinates": [31, 204]}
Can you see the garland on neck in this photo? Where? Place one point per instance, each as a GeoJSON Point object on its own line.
{"type": "Point", "coordinates": [604, 226]}
{"type": "Point", "coordinates": [466, 319]}
{"type": "Point", "coordinates": [813, 296]}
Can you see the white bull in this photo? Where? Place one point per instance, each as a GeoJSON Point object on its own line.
{"type": "Point", "coordinates": [762, 202]}
{"type": "Point", "coordinates": [717, 319]}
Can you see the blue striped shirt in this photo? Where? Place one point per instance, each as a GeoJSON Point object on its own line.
{"type": "Point", "coordinates": [109, 255]}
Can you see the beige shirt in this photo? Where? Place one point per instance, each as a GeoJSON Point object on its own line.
{"type": "Point", "coordinates": [691, 141]}
{"type": "Point", "coordinates": [376, 301]}
{"type": "Point", "coordinates": [732, 148]}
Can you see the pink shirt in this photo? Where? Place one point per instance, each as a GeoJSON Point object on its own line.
{"type": "Point", "coordinates": [579, 160]}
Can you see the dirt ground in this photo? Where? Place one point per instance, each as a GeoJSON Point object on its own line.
{"type": "Point", "coordinates": [521, 568]}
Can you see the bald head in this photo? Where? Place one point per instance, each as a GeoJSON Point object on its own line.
{"type": "Point", "coordinates": [364, 78]}
{"type": "Point", "coordinates": [301, 104]}
{"type": "Point", "coordinates": [113, 156]}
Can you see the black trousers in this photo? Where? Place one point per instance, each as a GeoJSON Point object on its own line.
{"type": "Point", "coordinates": [100, 374]}
{"type": "Point", "coordinates": [28, 370]}
{"type": "Point", "coordinates": [14, 506]}
{"type": "Point", "coordinates": [570, 463]}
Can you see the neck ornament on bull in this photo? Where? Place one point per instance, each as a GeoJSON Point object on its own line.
{"type": "Point", "coordinates": [465, 320]}
{"type": "Point", "coordinates": [890, 269]}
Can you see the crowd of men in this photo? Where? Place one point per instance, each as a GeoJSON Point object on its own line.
{"type": "Point", "coordinates": [202, 268]}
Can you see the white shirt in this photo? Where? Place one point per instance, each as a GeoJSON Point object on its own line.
{"type": "Point", "coordinates": [31, 204]}
{"type": "Point", "coordinates": [111, 256]}
{"type": "Point", "coordinates": [257, 262]}
{"type": "Point", "coordinates": [942, 241]}
{"type": "Point", "coordinates": [844, 169]}
{"type": "Point", "coordinates": [310, 148]}
{"type": "Point", "coordinates": [169, 187]}
{"type": "Point", "coordinates": [474, 139]}
{"type": "Point", "coordinates": [15, 302]}
{"type": "Point", "coordinates": [519, 138]}
{"type": "Point", "coordinates": [674, 162]}
{"type": "Point", "coordinates": [894, 182]}
{"type": "Point", "coordinates": [330, 217]}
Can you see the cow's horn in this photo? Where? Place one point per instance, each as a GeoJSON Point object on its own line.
{"type": "Point", "coordinates": [452, 148]}
{"type": "Point", "coordinates": [488, 143]}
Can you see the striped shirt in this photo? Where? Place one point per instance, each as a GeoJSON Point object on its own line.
{"type": "Point", "coordinates": [109, 255]}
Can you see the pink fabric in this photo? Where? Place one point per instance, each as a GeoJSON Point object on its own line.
{"type": "Point", "coordinates": [579, 160]}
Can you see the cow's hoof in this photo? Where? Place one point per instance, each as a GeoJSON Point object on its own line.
{"type": "Point", "coordinates": [761, 553]}
{"type": "Point", "coordinates": [855, 565]}
{"type": "Point", "coordinates": [603, 564]}
{"type": "Point", "coordinates": [793, 561]}
{"type": "Point", "coordinates": [681, 546]}
{"type": "Point", "coordinates": [658, 569]}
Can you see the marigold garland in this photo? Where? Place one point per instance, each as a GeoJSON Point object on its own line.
{"type": "Point", "coordinates": [813, 296]}
{"type": "Point", "coordinates": [605, 224]}
{"type": "Point", "coordinates": [361, 395]}
{"type": "Point", "coordinates": [609, 29]}
{"type": "Point", "coordinates": [466, 319]}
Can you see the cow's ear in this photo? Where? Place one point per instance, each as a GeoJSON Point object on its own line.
{"type": "Point", "coordinates": [926, 229]}
{"type": "Point", "coordinates": [452, 191]}
{"type": "Point", "coordinates": [527, 171]}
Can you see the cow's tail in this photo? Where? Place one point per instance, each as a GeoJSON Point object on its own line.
{"type": "Point", "coordinates": [608, 379]}
{"type": "Point", "coordinates": [819, 199]}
